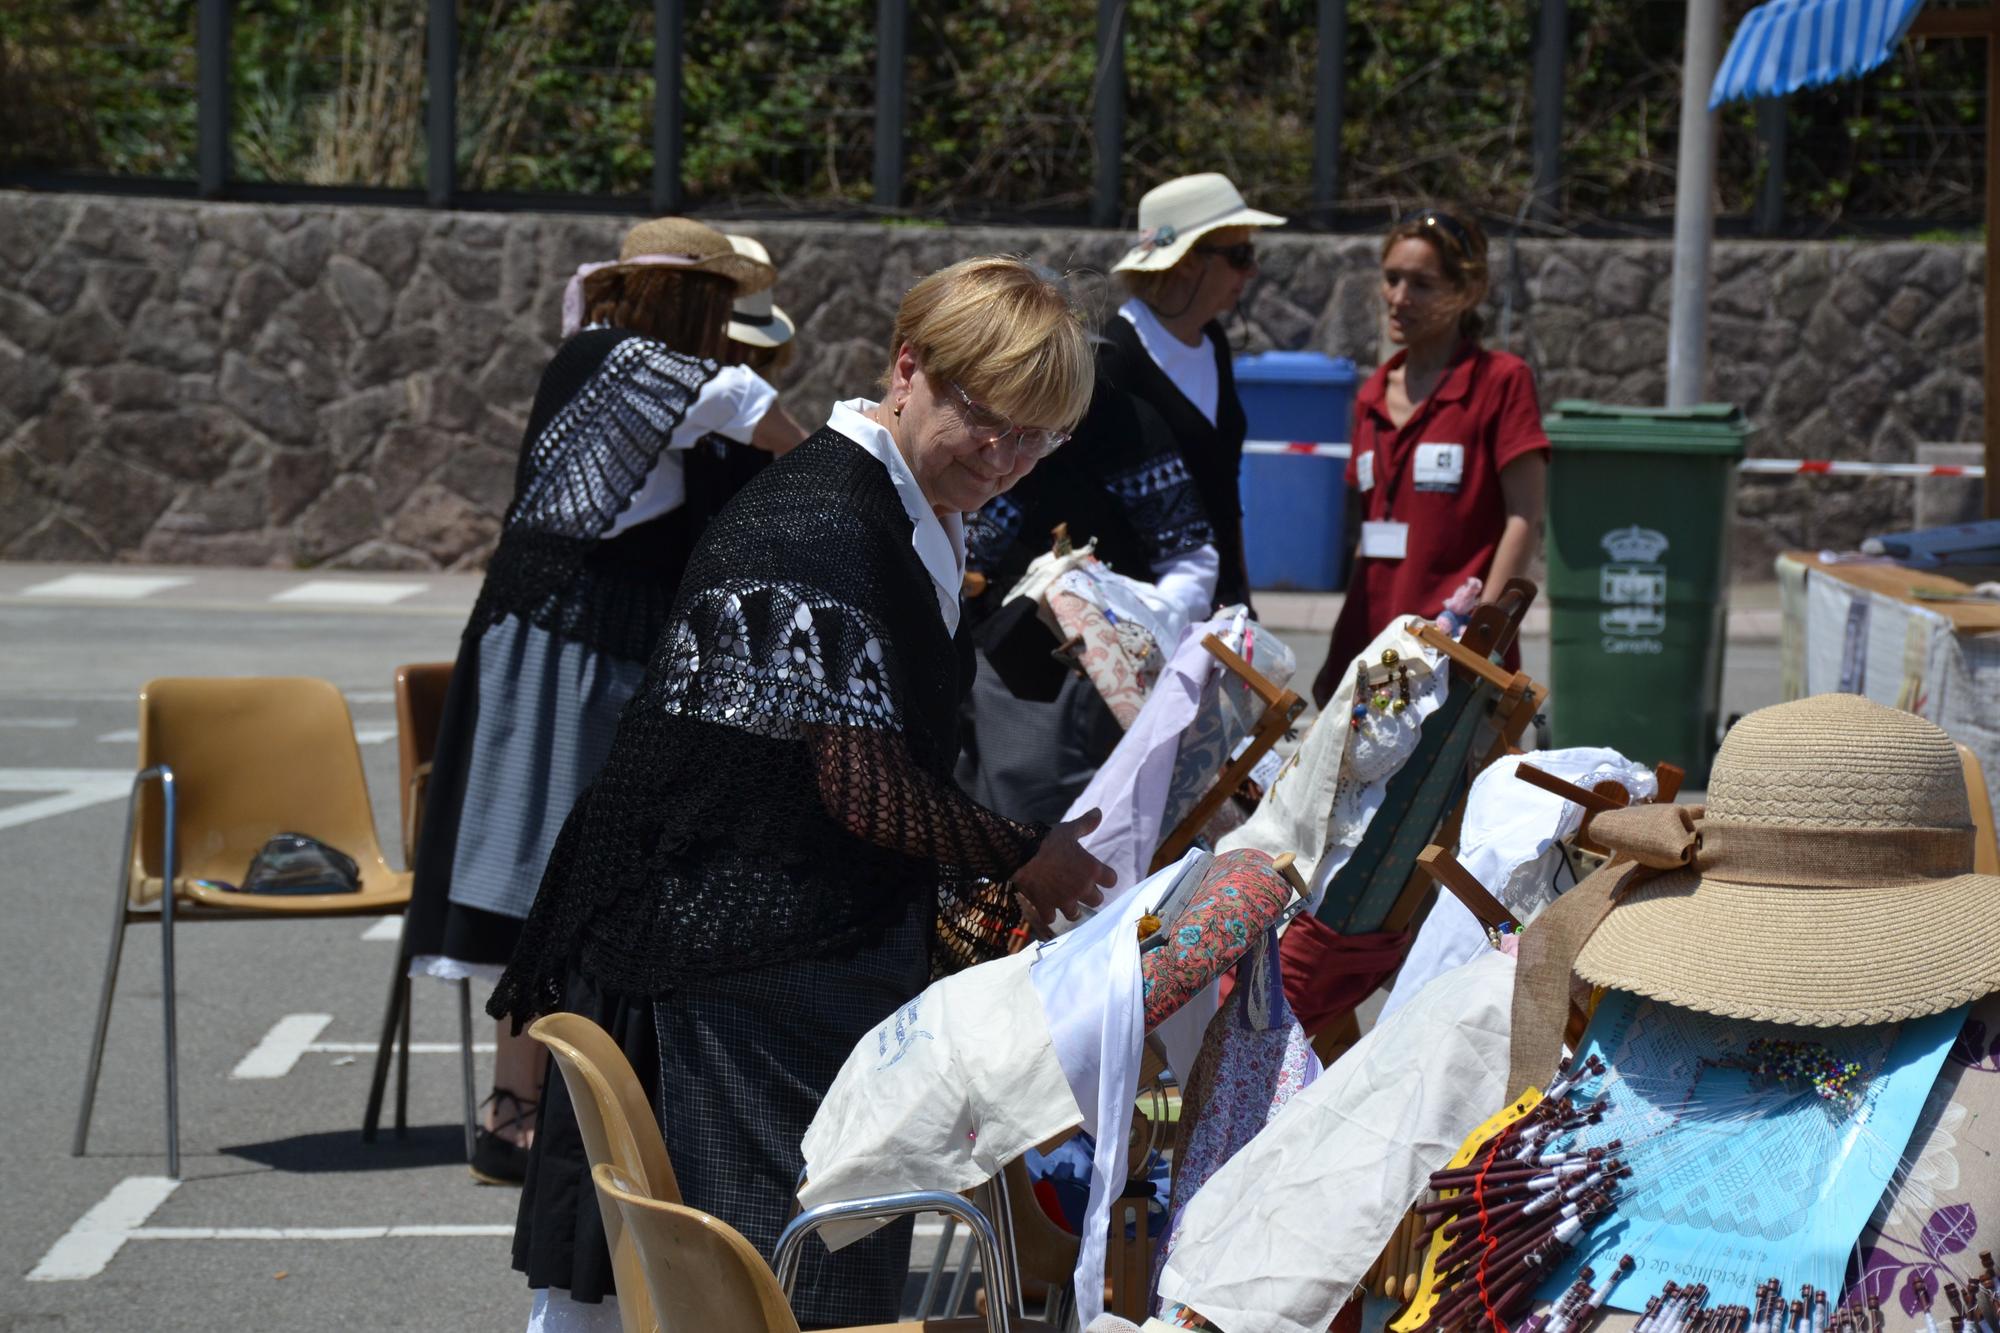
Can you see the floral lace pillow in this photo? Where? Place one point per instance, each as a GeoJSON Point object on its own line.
{"type": "Point", "coordinates": [1944, 1211]}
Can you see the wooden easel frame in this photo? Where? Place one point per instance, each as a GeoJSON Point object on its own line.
{"type": "Point", "coordinates": [1281, 708]}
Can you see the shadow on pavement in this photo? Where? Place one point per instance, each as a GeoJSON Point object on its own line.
{"type": "Point", "coordinates": [342, 1150]}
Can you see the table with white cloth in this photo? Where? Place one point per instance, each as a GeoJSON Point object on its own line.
{"type": "Point", "coordinates": [1858, 627]}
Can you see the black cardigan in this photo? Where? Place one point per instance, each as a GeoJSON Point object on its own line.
{"type": "Point", "coordinates": [1213, 452]}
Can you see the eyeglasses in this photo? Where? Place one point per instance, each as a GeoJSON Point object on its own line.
{"type": "Point", "coordinates": [1453, 229]}
{"type": "Point", "coordinates": [990, 427]}
{"type": "Point", "coordinates": [1240, 256]}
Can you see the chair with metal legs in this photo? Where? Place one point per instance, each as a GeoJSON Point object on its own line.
{"type": "Point", "coordinates": [420, 695]}
{"type": "Point", "coordinates": [224, 764]}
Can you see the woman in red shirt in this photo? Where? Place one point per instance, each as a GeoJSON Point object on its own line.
{"type": "Point", "coordinates": [1449, 456]}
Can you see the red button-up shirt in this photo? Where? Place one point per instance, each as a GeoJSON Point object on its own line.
{"type": "Point", "coordinates": [1485, 414]}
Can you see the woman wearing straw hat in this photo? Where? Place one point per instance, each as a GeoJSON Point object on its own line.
{"type": "Point", "coordinates": [1192, 262]}
{"type": "Point", "coordinates": [774, 856]}
{"type": "Point", "coordinates": [575, 596]}
{"type": "Point", "coordinates": [761, 339]}
{"type": "Point", "coordinates": [1447, 474]}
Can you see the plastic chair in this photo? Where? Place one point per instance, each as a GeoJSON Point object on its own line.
{"type": "Point", "coordinates": [1985, 854]}
{"type": "Point", "coordinates": [701, 1274]}
{"type": "Point", "coordinates": [420, 696]}
{"type": "Point", "coordinates": [223, 765]}
{"type": "Point", "coordinates": [618, 1130]}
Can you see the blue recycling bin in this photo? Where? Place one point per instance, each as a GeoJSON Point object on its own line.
{"type": "Point", "coordinates": [1295, 504]}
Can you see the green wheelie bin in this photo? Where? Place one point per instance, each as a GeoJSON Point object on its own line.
{"type": "Point", "coordinates": [1641, 502]}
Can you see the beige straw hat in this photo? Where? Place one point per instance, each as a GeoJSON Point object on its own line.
{"type": "Point", "coordinates": [1831, 885]}
{"type": "Point", "coordinates": [757, 321]}
{"type": "Point", "coordinates": [706, 250]}
{"type": "Point", "coordinates": [1173, 216]}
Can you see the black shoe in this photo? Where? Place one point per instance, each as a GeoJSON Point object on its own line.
{"type": "Point", "coordinates": [495, 1159]}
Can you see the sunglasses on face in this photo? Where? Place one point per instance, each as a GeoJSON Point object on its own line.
{"type": "Point", "coordinates": [989, 427]}
{"type": "Point", "coordinates": [1240, 256]}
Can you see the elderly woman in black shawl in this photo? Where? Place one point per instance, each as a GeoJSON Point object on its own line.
{"type": "Point", "coordinates": [775, 855]}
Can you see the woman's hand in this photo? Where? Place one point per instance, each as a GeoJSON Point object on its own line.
{"type": "Point", "coordinates": [1062, 876]}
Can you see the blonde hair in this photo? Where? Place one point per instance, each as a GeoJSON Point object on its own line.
{"type": "Point", "coordinates": [1006, 334]}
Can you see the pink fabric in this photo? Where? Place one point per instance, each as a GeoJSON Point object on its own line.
{"type": "Point", "coordinates": [1121, 678]}
{"type": "Point", "coordinates": [572, 310]}
{"type": "Point", "coordinates": [1327, 974]}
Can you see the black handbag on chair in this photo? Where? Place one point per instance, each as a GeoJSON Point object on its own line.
{"type": "Point", "coordinates": [294, 863]}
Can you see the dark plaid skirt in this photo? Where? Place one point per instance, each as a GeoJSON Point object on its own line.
{"type": "Point", "coordinates": [744, 1063]}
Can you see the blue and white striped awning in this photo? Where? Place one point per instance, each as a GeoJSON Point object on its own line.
{"type": "Point", "coordinates": [1787, 45]}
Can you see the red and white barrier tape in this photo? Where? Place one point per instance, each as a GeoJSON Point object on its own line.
{"type": "Point", "coordinates": [1778, 467]}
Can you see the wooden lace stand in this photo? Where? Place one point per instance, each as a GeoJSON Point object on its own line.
{"type": "Point", "coordinates": [1397, 1273]}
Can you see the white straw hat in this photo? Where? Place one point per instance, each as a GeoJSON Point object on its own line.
{"type": "Point", "coordinates": [757, 321]}
{"type": "Point", "coordinates": [1831, 882]}
{"type": "Point", "coordinates": [1173, 216]}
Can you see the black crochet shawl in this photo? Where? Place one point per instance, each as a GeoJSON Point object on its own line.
{"type": "Point", "coordinates": [780, 787]}
{"type": "Point", "coordinates": [603, 416]}
{"type": "Point", "coordinates": [1120, 480]}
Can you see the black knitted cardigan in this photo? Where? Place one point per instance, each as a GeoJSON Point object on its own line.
{"type": "Point", "coordinates": [780, 787]}
{"type": "Point", "coordinates": [603, 416]}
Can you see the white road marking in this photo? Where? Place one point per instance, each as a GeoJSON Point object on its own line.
{"type": "Point", "coordinates": [388, 928]}
{"type": "Point", "coordinates": [288, 1039]}
{"type": "Point", "coordinates": [124, 736]}
{"type": "Point", "coordinates": [38, 723]}
{"type": "Point", "coordinates": [71, 788]}
{"type": "Point", "coordinates": [370, 696]}
{"type": "Point", "coordinates": [416, 1048]}
{"type": "Point", "coordinates": [295, 1036]}
{"type": "Point", "coordinates": [86, 1248]}
{"type": "Point", "coordinates": [339, 592]}
{"type": "Point", "coordinates": [107, 587]}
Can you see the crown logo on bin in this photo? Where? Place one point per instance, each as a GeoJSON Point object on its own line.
{"type": "Point", "coordinates": [1635, 545]}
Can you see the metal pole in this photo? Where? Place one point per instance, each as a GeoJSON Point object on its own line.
{"type": "Point", "coordinates": [1329, 108]}
{"type": "Point", "coordinates": [1991, 411]}
{"type": "Point", "coordinates": [668, 193]}
{"type": "Point", "coordinates": [1694, 219]}
{"type": "Point", "coordinates": [441, 115]}
{"type": "Point", "coordinates": [211, 97]}
{"type": "Point", "coordinates": [1551, 50]}
{"type": "Point", "coordinates": [1770, 213]}
{"type": "Point", "coordinates": [891, 38]}
{"type": "Point", "coordinates": [1108, 122]}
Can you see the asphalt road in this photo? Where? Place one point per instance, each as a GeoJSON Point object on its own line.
{"type": "Point", "coordinates": [264, 1229]}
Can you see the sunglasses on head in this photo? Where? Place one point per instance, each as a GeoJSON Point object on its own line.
{"type": "Point", "coordinates": [1453, 229]}
{"type": "Point", "coordinates": [1241, 255]}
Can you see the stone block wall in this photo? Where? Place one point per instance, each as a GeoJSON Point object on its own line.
{"type": "Point", "coordinates": [347, 386]}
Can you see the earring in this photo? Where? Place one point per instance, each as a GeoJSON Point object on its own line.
{"type": "Point", "coordinates": [899, 411]}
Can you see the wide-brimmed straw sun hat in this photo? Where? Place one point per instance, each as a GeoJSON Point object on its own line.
{"type": "Point", "coordinates": [677, 243]}
{"type": "Point", "coordinates": [1173, 216]}
{"type": "Point", "coordinates": [757, 321]}
{"type": "Point", "coordinates": [1831, 884]}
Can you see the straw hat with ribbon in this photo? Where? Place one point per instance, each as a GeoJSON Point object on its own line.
{"type": "Point", "coordinates": [1172, 217]}
{"type": "Point", "coordinates": [757, 321]}
{"type": "Point", "coordinates": [675, 243]}
{"type": "Point", "coordinates": [1827, 883]}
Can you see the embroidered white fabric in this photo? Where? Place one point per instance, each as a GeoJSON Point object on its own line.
{"type": "Point", "coordinates": [1279, 1237]}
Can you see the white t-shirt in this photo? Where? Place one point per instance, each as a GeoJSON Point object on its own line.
{"type": "Point", "coordinates": [731, 404]}
{"type": "Point", "coordinates": [1192, 369]}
